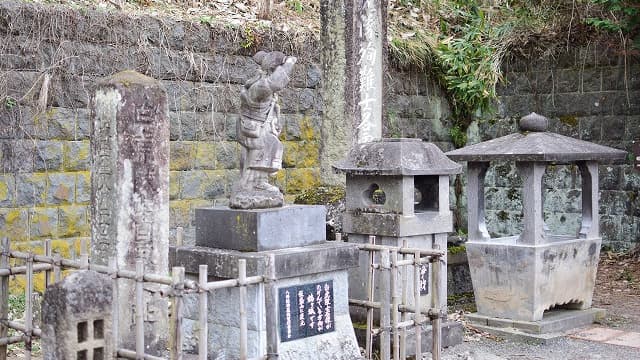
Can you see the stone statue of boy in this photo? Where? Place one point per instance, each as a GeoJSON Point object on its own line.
{"type": "Point", "coordinates": [258, 130]}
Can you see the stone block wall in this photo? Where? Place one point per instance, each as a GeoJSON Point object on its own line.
{"type": "Point", "coordinates": [50, 58]}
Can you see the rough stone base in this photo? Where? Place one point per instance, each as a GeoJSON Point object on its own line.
{"type": "Point", "coordinates": [256, 200]}
{"type": "Point", "coordinates": [554, 323]}
{"type": "Point", "coordinates": [452, 334]}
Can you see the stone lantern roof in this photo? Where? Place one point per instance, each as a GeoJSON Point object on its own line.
{"type": "Point", "coordinates": [407, 157]}
{"type": "Point", "coordinates": [535, 143]}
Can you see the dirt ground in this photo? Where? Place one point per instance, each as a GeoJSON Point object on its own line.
{"type": "Point", "coordinates": [618, 290]}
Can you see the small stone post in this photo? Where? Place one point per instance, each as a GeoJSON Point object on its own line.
{"type": "Point", "coordinates": [76, 318]}
{"type": "Point", "coordinates": [130, 191]}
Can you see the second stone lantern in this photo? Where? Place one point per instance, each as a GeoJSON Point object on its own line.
{"type": "Point", "coordinates": [398, 190]}
{"type": "Point", "coordinates": [515, 279]}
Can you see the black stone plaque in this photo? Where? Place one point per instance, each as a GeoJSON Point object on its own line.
{"type": "Point", "coordinates": [306, 310]}
{"type": "Point", "coordinates": [424, 279]}
{"type": "Point", "coordinates": [636, 155]}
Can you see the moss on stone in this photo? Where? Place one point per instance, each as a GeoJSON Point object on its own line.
{"type": "Point", "coordinates": [4, 190]}
{"type": "Point", "coordinates": [321, 195]}
{"type": "Point", "coordinates": [570, 120]}
{"type": "Point", "coordinates": [182, 155]}
{"type": "Point", "coordinates": [299, 180]}
{"type": "Point", "coordinates": [205, 154]}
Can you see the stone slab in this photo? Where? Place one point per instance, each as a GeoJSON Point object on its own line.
{"type": "Point", "coordinates": [609, 336]}
{"type": "Point", "coordinates": [599, 334]}
{"type": "Point", "coordinates": [298, 261]}
{"type": "Point", "coordinates": [260, 229]}
{"type": "Point", "coordinates": [553, 324]}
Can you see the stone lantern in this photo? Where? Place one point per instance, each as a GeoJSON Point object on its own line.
{"type": "Point", "coordinates": [398, 190]}
{"type": "Point", "coordinates": [515, 279]}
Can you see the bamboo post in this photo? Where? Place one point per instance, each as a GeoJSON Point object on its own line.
{"type": "Point", "coordinates": [5, 248]}
{"type": "Point", "coordinates": [57, 271]}
{"type": "Point", "coordinates": [84, 255]}
{"type": "Point", "coordinates": [385, 310]}
{"type": "Point", "coordinates": [242, 278]}
{"type": "Point", "coordinates": [271, 306]}
{"type": "Point", "coordinates": [139, 309]}
{"type": "Point", "coordinates": [370, 293]}
{"type": "Point", "coordinates": [394, 304]}
{"type": "Point", "coordinates": [113, 272]}
{"type": "Point", "coordinates": [202, 343]}
{"type": "Point", "coordinates": [179, 236]}
{"type": "Point", "coordinates": [436, 329]}
{"type": "Point", "coordinates": [28, 311]}
{"type": "Point", "coordinates": [417, 304]}
{"type": "Point", "coordinates": [177, 277]}
{"type": "Point", "coordinates": [47, 253]}
{"type": "Point", "coordinates": [404, 315]}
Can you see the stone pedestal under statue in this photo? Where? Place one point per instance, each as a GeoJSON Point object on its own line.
{"type": "Point", "coordinates": [304, 271]}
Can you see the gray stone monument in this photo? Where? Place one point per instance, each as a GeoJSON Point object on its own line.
{"type": "Point", "coordinates": [76, 318]}
{"type": "Point", "coordinates": [515, 279]}
{"type": "Point", "coordinates": [130, 190]}
{"type": "Point", "coordinates": [352, 37]}
{"type": "Point", "coordinates": [398, 190]}
{"type": "Point", "coordinates": [257, 131]}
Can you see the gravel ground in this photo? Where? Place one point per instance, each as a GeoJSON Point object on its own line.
{"type": "Point", "coordinates": [563, 348]}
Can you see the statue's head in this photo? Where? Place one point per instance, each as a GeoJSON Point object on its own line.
{"type": "Point", "coordinates": [268, 61]}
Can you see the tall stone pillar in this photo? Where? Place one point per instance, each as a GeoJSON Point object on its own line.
{"type": "Point", "coordinates": [365, 66]}
{"type": "Point", "coordinates": [353, 52]}
{"type": "Point", "coordinates": [336, 125]}
{"type": "Point", "coordinates": [130, 192]}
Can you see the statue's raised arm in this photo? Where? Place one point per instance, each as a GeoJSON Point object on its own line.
{"type": "Point", "coordinates": [257, 131]}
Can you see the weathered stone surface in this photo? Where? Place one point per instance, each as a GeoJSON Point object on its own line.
{"type": "Point", "coordinates": [7, 190]}
{"type": "Point", "coordinates": [48, 156]}
{"type": "Point", "coordinates": [61, 189]}
{"type": "Point", "coordinates": [76, 321]}
{"type": "Point", "coordinates": [397, 157]}
{"type": "Point", "coordinates": [304, 260]}
{"type": "Point", "coordinates": [260, 229]}
{"type": "Point", "coordinates": [258, 130]}
{"type": "Point", "coordinates": [130, 189]}
{"type": "Point", "coordinates": [537, 146]}
{"type": "Point", "coordinates": [532, 278]}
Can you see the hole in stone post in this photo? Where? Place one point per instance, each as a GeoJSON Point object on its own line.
{"type": "Point", "coordinates": [98, 329]}
{"type": "Point", "coordinates": [83, 332]}
{"type": "Point", "coordinates": [374, 195]}
{"type": "Point", "coordinates": [426, 193]}
{"type": "Point", "coordinates": [98, 354]}
{"type": "Point", "coordinates": [82, 354]}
